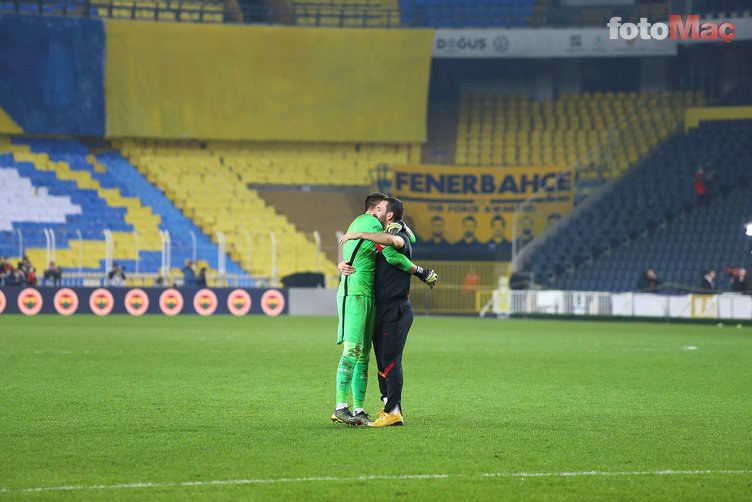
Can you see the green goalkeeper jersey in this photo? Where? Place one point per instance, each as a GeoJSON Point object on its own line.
{"type": "Point", "coordinates": [361, 254]}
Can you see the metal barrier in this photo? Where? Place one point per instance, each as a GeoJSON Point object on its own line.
{"type": "Point", "coordinates": [464, 286]}
{"type": "Point", "coordinates": [626, 304]}
{"type": "Point", "coordinates": [71, 250]}
{"type": "Point", "coordinates": [142, 280]}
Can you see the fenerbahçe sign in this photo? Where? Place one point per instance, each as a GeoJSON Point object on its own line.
{"type": "Point", "coordinates": [272, 302]}
{"type": "Point", "coordinates": [65, 301]}
{"type": "Point", "coordinates": [171, 302]}
{"type": "Point", "coordinates": [239, 302]}
{"type": "Point", "coordinates": [205, 302]}
{"type": "Point", "coordinates": [30, 301]}
{"type": "Point", "coordinates": [453, 194]}
{"type": "Point", "coordinates": [101, 302]}
{"type": "Point", "coordinates": [136, 302]}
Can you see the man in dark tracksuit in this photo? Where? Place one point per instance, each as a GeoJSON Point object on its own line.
{"type": "Point", "coordinates": [394, 316]}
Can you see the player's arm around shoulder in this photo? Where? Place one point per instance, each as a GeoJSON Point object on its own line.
{"type": "Point", "coordinates": [380, 238]}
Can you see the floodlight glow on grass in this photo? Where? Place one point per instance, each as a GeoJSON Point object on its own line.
{"type": "Point", "coordinates": [749, 229]}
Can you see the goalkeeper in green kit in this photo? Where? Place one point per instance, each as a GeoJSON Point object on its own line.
{"type": "Point", "coordinates": [357, 310]}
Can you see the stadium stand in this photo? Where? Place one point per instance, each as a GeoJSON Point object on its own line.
{"type": "Point", "coordinates": [347, 13]}
{"type": "Point", "coordinates": [269, 163]}
{"type": "Point", "coordinates": [652, 217]}
{"type": "Point", "coordinates": [82, 195]}
{"type": "Point", "coordinates": [467, 13]}
{"type": "Point", "coordinates": [497, 129]}
{"type": "Point", "coordinates": [209, 11]}
{"type": "Point", "coordinates": [334, 210]}
{"type": "Point", "coordinates": [209, 184]}
{"type": "Point", "coordinates": [203, 11]}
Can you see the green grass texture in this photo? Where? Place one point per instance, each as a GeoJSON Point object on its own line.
{"type": "Point", "coordinates": [225, 408]}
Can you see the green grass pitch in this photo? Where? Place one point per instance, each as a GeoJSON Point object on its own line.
{"type": "Point", "coordinates": [224, 408]}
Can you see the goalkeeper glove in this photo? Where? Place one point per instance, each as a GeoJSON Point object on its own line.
{"type": "Point", "coordinates": [399, 226]}
{"type": "Point", "coordinates": [395, 227]}
{"type": "Point", "coordinates": [427, 275]}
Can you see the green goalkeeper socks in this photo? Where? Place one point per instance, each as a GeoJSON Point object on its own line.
{"type": "Point", "coordinates": [351, 354]}
{"type": "Point", "coordinates": [352, 374]}
{"type": "Point", "coordinates": [360, 382]}
{"type": "Point", "coordinates": [344, 377]}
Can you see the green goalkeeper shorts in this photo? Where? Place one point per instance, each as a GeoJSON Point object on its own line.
{"type": "Point", "coordinates": [357, 319]}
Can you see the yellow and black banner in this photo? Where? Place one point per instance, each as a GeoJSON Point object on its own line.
{"type": "Point", "coordinates": [467, 212]}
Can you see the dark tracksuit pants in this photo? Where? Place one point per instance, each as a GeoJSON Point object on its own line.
{"type": "Point", "coordinates": [393, 321]}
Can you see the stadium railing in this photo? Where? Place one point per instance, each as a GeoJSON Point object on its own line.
{"type": "Point", "coordinates": [464, 286]}
{"type": "Point", "coordinates": [92, 279]}
{"type": "Point", "coordinates": [43, 247]}
{"type": "Point", "coordinates": [623, 304]}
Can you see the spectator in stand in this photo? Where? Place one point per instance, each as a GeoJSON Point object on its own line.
{"type": "Point", "coordinates": [707, 285]}
{"type": "Point", "coordinates": [648, 281]}
{"type": "Point", "coordinates": [31, 277]}
{"type": "Point", "coordinates": [19, 273]}
{"type": "Point", "coordinates": [16, 278]}
{"type": "Point", "coordinates": [3, 271]}
{"type": "Point", "coordinates": [201, 278]}
{"type": "Point", "coordinates": [700, 185]}
{"type": "Point", "coordinates": [189, 274]}
{"type": "Point", "coordinates": [116, 275]}
{"type": "Point", "coordinates": [53, 274]}
{"type": "Point", "coordinates": [739, 282]}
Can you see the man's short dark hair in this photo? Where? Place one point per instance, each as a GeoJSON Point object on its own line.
{"type": "Point", "coordinates": [469, 217]}
{"type": "Point", "coordinates": [372, 200]}
{"type": "Point", "coordinates": [394, 205]}
{"type": "Point", "coordinates": [500, 218]}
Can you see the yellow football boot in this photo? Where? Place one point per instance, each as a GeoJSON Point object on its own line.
{"type": "Point", "coordinates": [387, 420]}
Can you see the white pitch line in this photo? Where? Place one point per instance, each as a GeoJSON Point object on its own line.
{"type": "Point", "coordinates": [232, 482]}
{"type": "Point", "coordinates": [607, 473]}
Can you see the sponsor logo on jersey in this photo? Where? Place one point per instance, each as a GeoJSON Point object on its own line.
{"type": "Point", "coordinates": [239, 302]}
{"type": "Point", "coordinates": [272, 302]}
{"type": "Point", "coordinates": [171, 302]}
{"type": "Point", "coordinates": [136, 302]}
{"type": "Point", "coordinates": [101, 301]}
{"type": "Point", "coordinates": [65, 301]}
{"type": "Point", "coordinates": [205, 302]}
{"type": "Point", "coordinates": [30, 301]}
